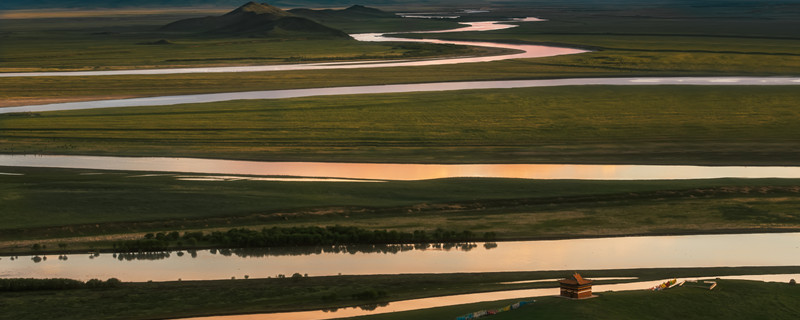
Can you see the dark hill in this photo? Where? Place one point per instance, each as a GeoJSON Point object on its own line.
{"type": "Point", "coordinates": [256, 19]}
{"type": "Point", "coordinates": [353, 12]}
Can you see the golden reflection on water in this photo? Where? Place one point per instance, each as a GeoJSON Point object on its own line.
{"type": "Point", "coordinates": [581, 254]}
{"type": "Point", "coordinates": [398, 171]}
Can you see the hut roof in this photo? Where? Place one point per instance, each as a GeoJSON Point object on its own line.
{"type": "Point", "coordinates": [575, 279]}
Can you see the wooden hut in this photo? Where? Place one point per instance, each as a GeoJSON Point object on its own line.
{"type": "Point", "coordinates": [576, 287]}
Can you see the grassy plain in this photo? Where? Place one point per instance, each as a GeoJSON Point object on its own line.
{"type": "Point", "coordinates": [731, 299]}
{"type": "Point", "coordinates": [195, 298]}
{"type": "Point", "coordinates": [129, 42]}
{"type": "Point", "coordinates": [664, 43]}
{"type": "Point", "coordinates": [708, 125]}
{"type": "Point", "coordinates": [76, 206]}
{"type": "Point", "coordinates": [586, 124]}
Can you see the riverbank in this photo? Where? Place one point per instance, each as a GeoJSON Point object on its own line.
{"type": "Point", "coordinates": [714, 46]}
{"type": "Point", "coordinates": [90, 209]}
{"type": "Point", "coordinates": [659, 124]}
{"type": "Point", "coordinates": [92, 245]}
{"type": "Point", "coordinates": [730, 299]}
{"type": "Point", "coordinates": [203, 298]}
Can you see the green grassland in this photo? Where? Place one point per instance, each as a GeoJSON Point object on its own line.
{"type": "Point", "coordinates": [46, 204]}
{"type": "Point", "coordinates": [731, 299]}
{"type": "Point", "coordinates": [585, 124]}
{"type": "Point", "coordinates": [131, 42]}
{"type": "Point", "coordinates": [625, 45]}
{"type": "Point", "coordinates": [195, 298]}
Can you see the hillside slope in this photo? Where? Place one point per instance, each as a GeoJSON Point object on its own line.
{"type": "Point", "coordinates": [255, 19]}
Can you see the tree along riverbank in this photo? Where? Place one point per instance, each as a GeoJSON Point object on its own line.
{"type": "Point", "coordinates": [89, 210]}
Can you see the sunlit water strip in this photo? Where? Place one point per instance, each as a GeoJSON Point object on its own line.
{"type": "Point", "coordinates": [401, 88]}
{"type": "Point", "coordinates": [523, 51]}
{"type": "Point", "coordinates": [774, 249]}
{"type": "Point", "coordinates": [416, 304]}
{"type": "Point", "coordinates": [397, 171]}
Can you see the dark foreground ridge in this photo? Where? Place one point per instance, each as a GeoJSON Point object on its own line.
{"type": "Point", "coordinates": [256, 19]}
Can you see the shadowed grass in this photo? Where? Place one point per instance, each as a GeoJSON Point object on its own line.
{"type": "Point", "coordinates": [54, 203]}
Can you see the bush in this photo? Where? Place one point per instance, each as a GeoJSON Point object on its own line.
{"type": "Point", "coordinates": [296, 236]}
{"type": "Point", "coordinates": [39, 284]}
{"type": "Point", "coordinates": [370, 294]}
{"type": "Point", "coordinates": [94, 283]}
{"type": "Point", "coordinates": [113, 283]}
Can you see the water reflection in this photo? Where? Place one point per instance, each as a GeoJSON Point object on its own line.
{"type": "Point", "coordinates": [300, 251]}
{"type": "Point", "coordinates": [142, 256]}
{"type": "Point", "coordinates": [578, 254]}
{"type": "Point", "coordinates": [397, 171]}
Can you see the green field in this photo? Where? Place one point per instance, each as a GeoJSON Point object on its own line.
{"type": "Point", "coordinates": [77, 210]}
{"type": "Point", "coordinates": [585, 124]}
{"type": "Point", "coordinates": [656, 44]}
{"type": "Point", "coordinates": [731, 299]}
{"type": "Point", "coordinates": [131, 42]}
{"type": "Point", "coordinates": [195, 298]}
{"type": "Point", "coordinates": [52, 204]}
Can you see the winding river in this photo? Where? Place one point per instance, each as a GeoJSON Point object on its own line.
{"type": "Point", "coordinates": [403, 88]}
{"type": "Point", "coordinates": [521, 51]}
{"type": "Point", "coordinates": [606, 253]}
{"type": "Point", "coordinates": [434, 302]}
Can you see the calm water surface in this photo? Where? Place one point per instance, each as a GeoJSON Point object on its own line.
{"type": "Point", "coordinates": [578, 254]}
{"type": "Point", "coordinates": [396, 171]}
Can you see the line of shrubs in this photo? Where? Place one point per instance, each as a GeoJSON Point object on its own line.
{"type": "Point", "coordinates": [295, 236]}
{"type": "Point", "coordinates": [26, 284]}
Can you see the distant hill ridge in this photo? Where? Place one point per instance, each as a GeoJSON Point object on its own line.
{"type": "Point", "coordinates": [354, 12]}
{"type": "Point", "coordinates": [256, 19]}
{"type": "Point", "coordinates": [259, 8]}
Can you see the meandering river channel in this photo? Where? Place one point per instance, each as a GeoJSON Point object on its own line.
{"type": "Point", "coordinates": [404, 88]}
{"type": "Point", "coordinates": [607, 253]}
{"type": "Point", "coordinates": [434, 302]}
{"type": "Point", "coordinates": [521, 51]}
